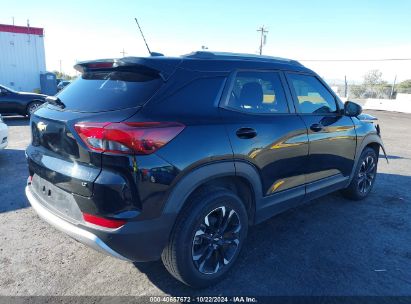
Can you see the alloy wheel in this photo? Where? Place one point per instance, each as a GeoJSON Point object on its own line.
{"type": "Point", "coordinates": [33, 107]}
{"type": "Point", "coordinates": [366, 174]}
{"type": "Point", "coordinates": [216, 240]}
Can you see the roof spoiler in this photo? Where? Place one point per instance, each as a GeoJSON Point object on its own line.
{"type": "Point", "coordinates": [146, 64]}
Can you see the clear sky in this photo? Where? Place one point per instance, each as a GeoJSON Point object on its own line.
{"type": "Point", "coordinates": [298, 29]}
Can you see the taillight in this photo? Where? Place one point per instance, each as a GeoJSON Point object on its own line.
{"type": "Point", "coordinates": [127, 137]}
{"type": "Point", "coordinates": [103, 222]}
{"type": "Point", "coordinates": [100, 65]}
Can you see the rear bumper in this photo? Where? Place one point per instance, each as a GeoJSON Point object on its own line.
{"type": "Point", "coordinates": [137, 240]}
{"type": "Point", "coordinates": [79, 234]}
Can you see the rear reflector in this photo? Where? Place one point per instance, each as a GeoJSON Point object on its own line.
{"type": "Point", "coordinates": [103, 222]}
{"type": "Point", "coordinates": [127, 137]}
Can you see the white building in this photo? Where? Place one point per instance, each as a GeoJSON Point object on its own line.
{"type": "Point", "coordinates": [22, 57]}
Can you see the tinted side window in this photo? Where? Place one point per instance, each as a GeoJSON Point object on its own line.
{"type": "Point", "coordinates": [312, 96]}
{"type": "Point", "coordinates": [197, 97]}
{"type": "Point", "coordinates": [258, 92]}
{"type": "Point", "coordinates": [4, 90]}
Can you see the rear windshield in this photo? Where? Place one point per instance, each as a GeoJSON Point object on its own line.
{"type": "Point", "coordinates": [109, 90]}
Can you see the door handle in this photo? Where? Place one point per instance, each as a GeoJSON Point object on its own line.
{"type": "Point", "coordinates": [246, 133]}
{"type": "Point", "coordinates": [316, 127]}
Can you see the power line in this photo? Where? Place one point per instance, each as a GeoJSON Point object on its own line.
{"type": "Point", "coordinates": [385, 59]}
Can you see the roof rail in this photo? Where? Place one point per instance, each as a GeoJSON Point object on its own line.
{"type": "Point", "coordinates": [236, 56]}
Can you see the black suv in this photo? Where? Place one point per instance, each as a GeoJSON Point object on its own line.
{"type": "Point", "coordinates": [143, 158]}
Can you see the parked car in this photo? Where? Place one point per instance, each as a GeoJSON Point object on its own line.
{"type": "Point", "coordinates": [3, 134]}
{"type": "Point", "coordinates": [240, 137]}
{"type": "Point", "coordinates": [62, 84]}
{"type": "Point", "coordinates": [22, 103]}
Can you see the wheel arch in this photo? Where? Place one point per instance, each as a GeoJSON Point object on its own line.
{"type": "Point", "coordinates": [373, 141]}
{"type": "Point", "coordinates": [30, 102]}
{"type": "Point", "coordinates": [241, 178]}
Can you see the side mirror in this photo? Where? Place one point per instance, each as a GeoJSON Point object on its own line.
{"type": "Point", "coordinates": [352, 109]}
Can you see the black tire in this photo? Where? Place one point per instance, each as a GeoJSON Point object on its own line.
{"type": "Point", "coordinates": [32, 107]}
{"type": "Point", "coordinates": [191, 242]}
{"type": "Point", "coordinates": [364, 176]}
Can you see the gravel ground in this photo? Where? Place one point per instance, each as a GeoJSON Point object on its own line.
{"type": "Point", "coordinates": [330, 246]}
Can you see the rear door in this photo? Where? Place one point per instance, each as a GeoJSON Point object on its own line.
{"type": "Point", "coordinates": [265, 131]}
{"type": "Point", "coordinates": [331, 135]}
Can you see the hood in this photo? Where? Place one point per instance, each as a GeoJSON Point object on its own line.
{"type": "Point", "coordinates": [42, 96]}
{"type": "Point", "coordinates": [367, 117]}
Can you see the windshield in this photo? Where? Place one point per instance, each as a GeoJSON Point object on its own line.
{"type": "Point", "coordinates": [109, 90]}
{"type": "Point", "coordinates": [8, 89]}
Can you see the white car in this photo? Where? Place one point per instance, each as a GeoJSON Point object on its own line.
{"type": "Point", "coordinates": [3, 134]}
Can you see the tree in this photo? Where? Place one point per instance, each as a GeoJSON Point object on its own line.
{"type": "Point", "coordinates": [375, 86]}
{"type": "Point", "coordinates": [356, 91]}
{"type": "Point", "coordinates": [404, 86]}
{"type": "Point", "coordinates": [373, 78]}
{"type": "Point", "coordinates": [63, 75]}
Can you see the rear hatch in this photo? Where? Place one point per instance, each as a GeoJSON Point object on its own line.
{"type": "Point", "coordinates": [106, 91]}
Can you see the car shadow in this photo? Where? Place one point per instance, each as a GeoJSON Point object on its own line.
{"type": "Point", "coordinates": [330, 246]}
{"type": "Point", "coordinates": [16, 121]}
{"type": "Point", "coordinates": [13, 167]}
{"type": "Point", "coordinates": [392, 157]}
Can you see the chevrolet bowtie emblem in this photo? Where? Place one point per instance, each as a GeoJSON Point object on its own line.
{"type": "Point", "coordinates": [41, 126]}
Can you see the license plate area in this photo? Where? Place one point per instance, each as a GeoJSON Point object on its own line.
{"type": "Point", "coordinates": [56, 200]}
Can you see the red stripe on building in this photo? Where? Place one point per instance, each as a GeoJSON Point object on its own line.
{"type": "Point", "coordinates": [21, 29]}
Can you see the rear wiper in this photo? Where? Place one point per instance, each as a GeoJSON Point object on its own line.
{"type": "Point", "coordinates": [55, 101]}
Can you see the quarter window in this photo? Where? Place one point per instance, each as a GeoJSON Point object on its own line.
{"type": "Point", "coordinates": [258, 92]}
{"type": "Point", "coordinates": [311, 94]}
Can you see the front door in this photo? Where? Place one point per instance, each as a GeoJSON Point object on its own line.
{"type": "Point", "coordinates": [331, 135]}
{"type": "Point", "coordinates": [264, 130]}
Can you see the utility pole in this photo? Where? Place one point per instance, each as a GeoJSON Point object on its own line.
{"type": "Point", "coordinates": [60, 67]}
{"type": "Point", "coordinates": [393, 87]}
{"type": "Point", "coordinates": [345, 86]}
{"type": "Point", "coordinates": [123, 52]}
{"type": "Point", "coordinates": [263, 37]}
{"type": "Point", "coordinates": [28, 30]}
{"type": "Point", "coordinates": [76, 72]}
